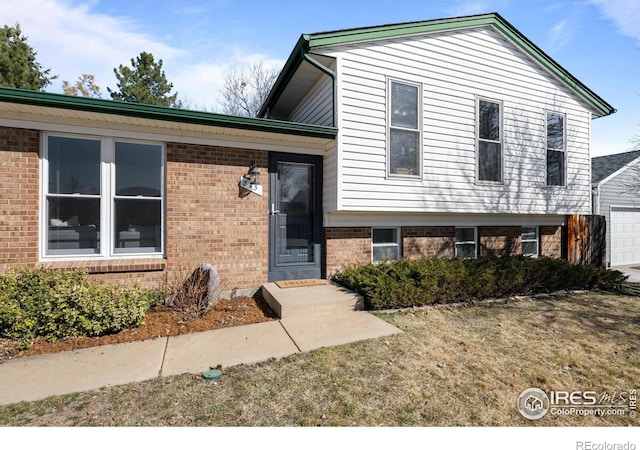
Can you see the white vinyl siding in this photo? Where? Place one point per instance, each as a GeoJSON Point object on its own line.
{"type": "Point", "coordinates": [316, 108]}
{"type": "Point", "coordinates": [453, 69]}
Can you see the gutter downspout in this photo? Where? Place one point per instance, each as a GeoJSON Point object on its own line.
{"type": "Point", "coordinates": [327, 71]}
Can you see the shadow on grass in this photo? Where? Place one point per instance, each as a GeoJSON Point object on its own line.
{"type": "Point", "coordinates": [596, 318]}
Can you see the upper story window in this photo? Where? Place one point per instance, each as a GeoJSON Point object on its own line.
{"type": "Point", "coordinates": [103, 197]}
{"type": "Point", "coordinates": [489, 141]}
{"type": "Point", "coordinates": [404, 147]}
{"type": "Point", "coordinates": [556, 150]}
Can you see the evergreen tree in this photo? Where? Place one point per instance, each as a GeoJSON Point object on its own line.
{"type": "Point", "coordinates": [18, 65]}
{"type": "Point", "coordinates": [144, 82]}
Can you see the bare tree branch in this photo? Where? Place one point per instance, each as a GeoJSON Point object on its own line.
{"type": "Point", "coordinates": [246, 88]}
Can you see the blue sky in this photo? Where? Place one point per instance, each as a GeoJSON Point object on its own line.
{"type": "Point", "coordinates": [199, 41]}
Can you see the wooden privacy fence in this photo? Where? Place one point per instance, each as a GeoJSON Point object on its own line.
{"type": "Point", "coordinates": [586, 239]}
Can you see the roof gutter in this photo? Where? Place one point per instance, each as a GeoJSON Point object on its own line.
{"type": "Point", "coordinates": [162, 113]}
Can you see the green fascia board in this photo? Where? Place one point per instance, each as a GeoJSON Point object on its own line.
{"type": "Point", "coordinates": [360, 35]}
{"type": "Point", "coordinates": [287, 72]}
{"type": "Point", "coordinates": [162, 113]}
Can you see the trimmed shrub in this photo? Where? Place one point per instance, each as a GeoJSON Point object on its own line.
{"type": "Point", "coordinates": [407, 283]}
{"type": "Point", "coordinates": [56, 304]}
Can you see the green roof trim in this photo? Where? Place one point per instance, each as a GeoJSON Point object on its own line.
{"type": "Point", "coordinates": [153, 112]}
{"type": "Point", "coordinates": [359, 35]}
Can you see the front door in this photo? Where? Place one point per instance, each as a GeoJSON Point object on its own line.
{"type": "Point", "coordinates": [295, 225]}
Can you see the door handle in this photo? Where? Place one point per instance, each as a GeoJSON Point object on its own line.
{"type": "Point", "coordinates": [274, 211]}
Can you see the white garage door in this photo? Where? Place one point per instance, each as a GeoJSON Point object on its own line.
{"type": "Point", "coordinates": [625, 236]}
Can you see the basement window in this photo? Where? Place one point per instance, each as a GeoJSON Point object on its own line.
{"type": "Point", "coordinates": [530, 241]}
{"type": "Point", "coordinates": [466, 242]}
{"type": "Point", "coordinates": [386, 244]}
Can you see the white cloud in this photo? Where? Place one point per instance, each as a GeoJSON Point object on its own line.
{"type": "Point", "coordinates": [624, 13]}
{"type": "Point", "coordinates": [560, 34]}
{"type": "Point", "coordinates": [71, 39]}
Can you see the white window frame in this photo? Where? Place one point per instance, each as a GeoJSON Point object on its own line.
{"type": "Point", "coordinates": [500, 141]}
{"type": "Point", "coordinates": [536, 240]}
{"type": "Point", "coordinates": [563, 181]}
{"type": "Point", "coordinates": [420, 155]}
{"type": "Point", "coordinates": [107, 197]}
{"type": "Point", "coordinates": [474, 242]}
{"type": "Point", "coordinates": [397, 244]}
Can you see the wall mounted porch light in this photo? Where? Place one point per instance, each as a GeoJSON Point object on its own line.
{"type": "Point", "coordinates": [251, 180]}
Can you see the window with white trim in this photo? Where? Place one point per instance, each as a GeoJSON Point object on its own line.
{"type": "Point", "coordinates": [385, 244]}
{"type": "Point", "coordinates": [556, 150]}
{"type": "Point", "coordinates": [404, 148]}
{"type": "Point", "coordinates": [530, 241]}
{"type": "Point", "coordinates": [466, 242]}
{"type": "Point", "coordinates": [102, 197]}
{"type": "Point", "coordinates": [489, 122]}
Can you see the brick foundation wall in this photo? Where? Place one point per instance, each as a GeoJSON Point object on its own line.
{"type": "Point", "coordinates": [428, 242]}
{"type": "Point", "coordinates": [500, 241]}
{"type": "Point", "coordinates": [19, 184]}
{"type": "Point", "coordinates": [346, 246]}
{"type": "Point", "coordinates": [551, 241]}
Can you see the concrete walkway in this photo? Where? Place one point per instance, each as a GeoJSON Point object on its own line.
{"type": "Point", "coordinates": [37, 377]}
{"type": "Point", "coordinates": [631, 271]}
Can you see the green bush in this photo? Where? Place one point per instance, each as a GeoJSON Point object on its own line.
{"type": "Point", "coordinates": [407, 283]}
{"type": "Point", "coordinates": [56, 304]}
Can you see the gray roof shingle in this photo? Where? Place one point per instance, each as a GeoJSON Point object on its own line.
{"type": "Point", "coordinates": [603, 166]}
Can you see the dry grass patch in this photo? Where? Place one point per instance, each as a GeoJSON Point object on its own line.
{"type": "Point", "coordinates": [452, 366]}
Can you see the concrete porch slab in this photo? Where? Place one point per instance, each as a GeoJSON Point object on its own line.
{"type": "Point", "coordinates": [313, 332]}
{"type": "Point", "coordinates": [327, 298]}
{"type": "Point", "coordinates": [248, 344]}
{"type": "Point", "coordinates": [37, 377]}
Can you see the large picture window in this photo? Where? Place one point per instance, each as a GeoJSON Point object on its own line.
{"type": "Point", "coordinates": [489, 141]}
{"type": "Point", "coordinates": [404, 152]}
{"type": "Point", "coordinates": [556, 150]}
{"type": "Point", "coordinates": [104, 197]}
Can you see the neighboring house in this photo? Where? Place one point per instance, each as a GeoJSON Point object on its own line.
{"type": "Point", "coordinates": [616, 195]}
{"type": "Point", "coordinates": [443, 138]}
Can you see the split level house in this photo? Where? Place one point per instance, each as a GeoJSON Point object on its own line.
{"type": "Point", "coordinates": [441, 138]}
{"type": "Point", "coordinates": [616, 196]}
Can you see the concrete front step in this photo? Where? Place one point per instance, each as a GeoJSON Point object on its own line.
{"type": "Point", "coordinates": [328, 298]}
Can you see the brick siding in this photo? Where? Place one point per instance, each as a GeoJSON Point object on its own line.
{"type": "Point", "coordinates": [346, 246]}
{"type": "Point", "coordinates": [551, 241]}
{"type": "Point", "coordinates": [428, 242]}
{"type": "Point", "coordinates": [207, 218]}
{"type": "Point", "coordinates": [499, 241]}
{"type": "Point", "coordinates": [19, 181]}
